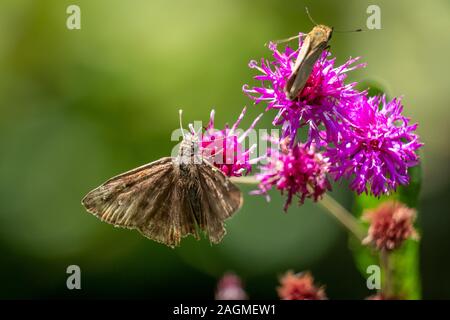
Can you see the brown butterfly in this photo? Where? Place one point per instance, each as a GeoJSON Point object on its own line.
{"type": "Point", "coordinates": [314, 43]}
{"type": "Point", "coordinates": [312, 47]}
{"type": "Point", "coordinates": [169, 199]}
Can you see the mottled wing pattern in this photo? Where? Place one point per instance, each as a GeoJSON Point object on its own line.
{"type": "Point", "coordinates": [121, 199]}
{"type": "Point", "coordinates": [220, 198]}
{"type": "Point", "coordinates": [165, 203]}
{"type": "Point", "coordinates": [148, 199]}
{"type": "Point", "coordinates": [173, 218]}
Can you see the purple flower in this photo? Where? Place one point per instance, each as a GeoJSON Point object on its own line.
{"type": "Point", "coordinates": [365, 140]}
{"type": "Point", "coordinates": [325, 100]}
{"type": "Point", "coordinates": [300, 286]}
{"type": "Point", "coordinates": [225, 148]}
{"type": "Point", "coordinates": [296, 170]}
{"type": "Point", "coordinates": [380, 148]}
{"type": "Point", "coordinates": [391, 224]}
{"type": "Point", "coordinates": [230, 288]}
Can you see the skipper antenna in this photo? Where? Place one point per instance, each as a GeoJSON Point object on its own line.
{"type": "Point", "coordinates": [298, 36]}
{"type": "Point", "coordinates": [345, 31]}
{"type": "Point", "coordinates": [180, 112]}
{"type": "Point", "coordinates": [340, 31]}
{"type": "Point", "coordinates": [309, 16]}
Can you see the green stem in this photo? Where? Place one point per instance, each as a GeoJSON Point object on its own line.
{"type": "Point", "coordinates": [343, 216]}
{"type": "Point", "coordinates": [387, 283]}
{"type": "Point", "coordinates": [327, 202]}
{"type": "Point", "coordinates": [244, 180]}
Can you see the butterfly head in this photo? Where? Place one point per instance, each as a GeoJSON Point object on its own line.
{"type": "Point", "coordinates": [189, 147]}
{"type": "Point", "coordinates": [322, 33]}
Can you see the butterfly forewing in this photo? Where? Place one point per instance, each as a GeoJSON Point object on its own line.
{"type": "Point", "coordinates": [290, 89]}
{"type": "Point", "coordinates": [306, 68]}
{"type": "Point", "coordinates": [127, 199]}
{"type": "Point", "coordinates": [166, 200]}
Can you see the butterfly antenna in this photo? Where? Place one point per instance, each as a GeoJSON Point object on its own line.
{"type": "Point", "coordinates": [346, 31]}
{"type": "Point", "coordinates": [340, 31]}
{"type": "Point", "coordinates": [297, 36]}
{"type": "Point", "coordinates": [285, 40]}
{"type": "Point", "coordinates": [309, 16]}
{"type": "Point", "coordinates": [180, 112]}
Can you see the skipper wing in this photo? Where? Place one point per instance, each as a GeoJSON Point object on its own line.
{"type": "Point", "coordinates": [146, 199]}
{"type": "Point", "coordinates": [220, 199]}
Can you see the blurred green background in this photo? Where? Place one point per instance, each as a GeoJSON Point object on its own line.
{"type": "Point", "coordinates": [79, 106]}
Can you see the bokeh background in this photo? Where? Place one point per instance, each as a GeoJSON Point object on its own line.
{"type": "Point", "coordinates": [79, 106]}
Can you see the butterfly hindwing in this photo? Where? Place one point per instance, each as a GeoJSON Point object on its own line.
{"type": "Point", "coordinates": [220, 200]}
{"type": "Point", "coordinates": [173, 217]}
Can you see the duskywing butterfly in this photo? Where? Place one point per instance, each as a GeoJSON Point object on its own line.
{"type": "Point", "coordinates": [170, 198]}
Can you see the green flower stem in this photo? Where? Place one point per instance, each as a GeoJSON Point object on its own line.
{"type": "Point", "coordinates": [386, 289]}
{"type": "Point", "coordinates": [245, 180]}
{"type": "Point", "coordinates": [343, 216]}
{"type": "Point", "coordinates": [327, 202]}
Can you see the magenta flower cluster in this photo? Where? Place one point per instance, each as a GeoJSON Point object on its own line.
{"type": "Point", "coordinates": [378, 148]}
{"type": "Point", "coordinates": [296, 170]}
{"type": "Point", "coordinates": [348, 135]}
{"type": "Point", "coordinates": [364, 139]}
{"type": "Point", "coordinates": [225, 147]}
{"type": "Point", "coordinates": [324, 101]}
